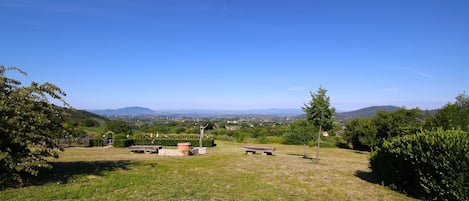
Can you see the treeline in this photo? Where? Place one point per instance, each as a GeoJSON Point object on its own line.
{"type": "Point", "coordinates": [366, 133]}
{"type": "Point", "coordinates": [424, 155]}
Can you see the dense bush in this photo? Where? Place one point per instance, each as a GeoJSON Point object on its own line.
{"type": "Point", "coordinates": [163, 140]}
{"type": "Point", "coordinates": [29, 123]}
{"type": "Point", "coordinates": [122, 142]}
{"type": "Point", "coordinates": [174, 142]}
{"type": "Point", "coordinates": [433, 165]}
{"type": "Point", "coordinates": [96, 142]}
{"type": "Point", "coordinates": [300, 132]}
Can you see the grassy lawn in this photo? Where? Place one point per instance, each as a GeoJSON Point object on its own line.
{"type": "Point", "coordinates": [225, 173]}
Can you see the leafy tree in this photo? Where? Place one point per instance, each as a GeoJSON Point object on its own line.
{"type": "Point", "coordinates": [90, 122]}
{"type": "Point", "coordinates": [397, 123]}
{"type": "Point", "coordinates": [319, 113]}
{"type": "Point", "coordinates": [361, 133]}
{"type": "Point", "coordinates": [454, 116]}
{"type": "Point", "coordinates": [28, 125]}
{"type": "Point", "coordinates": [462, 100]}
{"type": "Point", "coordinates": [119, 126]}
{"type": "Point", "coordinates": [299, 132]}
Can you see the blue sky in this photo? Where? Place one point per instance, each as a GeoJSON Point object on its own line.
{"type": "Point", "coordinates": [240, 54]}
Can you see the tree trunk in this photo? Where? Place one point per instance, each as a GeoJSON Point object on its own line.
{"type": "Point", "coordinates": [319, 144]}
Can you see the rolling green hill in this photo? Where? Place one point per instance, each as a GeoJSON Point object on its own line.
{"type": "Point", "coordinates": [81, 116]}
{"type": "Point", "coordinates": [365, 112]}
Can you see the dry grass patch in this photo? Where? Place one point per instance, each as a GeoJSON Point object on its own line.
{"type": "Point", "coordinates": [225, 173]}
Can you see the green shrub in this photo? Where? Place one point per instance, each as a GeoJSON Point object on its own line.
{"type": "Point", "coordinates": [269, 139]}
{"type": "Point", "coordinates": [98, 142]}
{"type": "Point", "coordinates": [432, 165]}
{"type": "Point", "coordinates": [225, 137]}
{"type": "Point", "coordinates": [323, 144]}
{"type": "Point", "coordinates": [122, 142]}
{"type": "Point", "coordinates": [174, 142]}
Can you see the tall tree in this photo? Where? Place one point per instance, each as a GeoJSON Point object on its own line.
{"type": "Point", "coordinates": [28, 125]}
{"type": "Point", "coordinates": [454, 116]}
{"type": "Point", "coordinates": [397, 123]}
{"type": "Point", "coordinates": [361, 132]}
{"type": "Point", "coordinates": [299, 132]}
{"type": "Point", "coordinates": [119, 126]}
{"type": "Point", "coordinates": [319, 112]}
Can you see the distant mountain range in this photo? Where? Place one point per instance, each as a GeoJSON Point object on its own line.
{"type": "Point", "coordinates": [142, 111]}
{"type": "Point", "coordinates": [273, 112]}
{"type": "Point", "coordinates": [127, 111]}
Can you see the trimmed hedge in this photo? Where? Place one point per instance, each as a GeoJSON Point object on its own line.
{"type": "Point", "coordinates": [98, 142]}
{"type": "Point", "coordinates": [122, 142]}
{"type": "Point", "coordinates": [174, 142]}
{"type": "Point", "coordinates": [162, 142]}
{"type": "Point", "coordinates": [431, 165]}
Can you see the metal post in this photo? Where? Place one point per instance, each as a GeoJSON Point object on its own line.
{"type": "Point", "coordinates": [202, 134]}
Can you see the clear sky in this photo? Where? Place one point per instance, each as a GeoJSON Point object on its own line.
{"type": "Point", "coordinates": [240, 54]}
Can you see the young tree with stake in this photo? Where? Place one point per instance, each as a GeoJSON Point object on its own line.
{"type": "Point", "coordinates": [319, 113]}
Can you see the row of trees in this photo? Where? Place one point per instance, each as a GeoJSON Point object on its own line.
{"type": "Point", "coordinates": [422, 154]}
{"type": "Point", "coordinates": [366, 133]}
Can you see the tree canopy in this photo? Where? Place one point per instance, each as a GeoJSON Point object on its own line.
{"type": "Point", "coordinates": [455, 115]}
{"type": "Point", "coordinates": [28, 125]}
{"type": "Point", "coordinates": [318, 110]}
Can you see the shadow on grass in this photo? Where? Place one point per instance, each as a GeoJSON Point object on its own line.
{"type": "Point", "coordinates": [372, 178]}
{"type": "Point", "coordinates": [63, 172]}
{"type": "Point", "coordinates": [368, 176]}
{"type": "Point", "coordinates": [304, 156]}
{"type": "Point", "coordinates": [360, 152]}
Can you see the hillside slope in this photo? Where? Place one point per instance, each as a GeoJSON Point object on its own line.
{"type": "Point", "coordinates": [365, 112]}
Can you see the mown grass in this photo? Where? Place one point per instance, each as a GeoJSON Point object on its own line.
{"type": "Point", "coordinates": [225, 173]}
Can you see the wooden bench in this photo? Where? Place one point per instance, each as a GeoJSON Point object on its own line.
{"type": "Point", "coordinates": [145, 148]}
{"type": "Point", "coordinates": [254, 149]}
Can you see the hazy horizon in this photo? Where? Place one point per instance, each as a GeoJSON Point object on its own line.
{"type": "Point", "coordinates": [241, 110]}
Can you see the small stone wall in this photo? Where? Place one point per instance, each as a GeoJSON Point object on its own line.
{"type": "Point", "coordinates": [170, 152]}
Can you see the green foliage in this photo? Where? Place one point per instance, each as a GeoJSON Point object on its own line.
{"type": "Point", "coordinates": [326, 142]}
{"type": "Point", "coordinates": [122, 142]}
{"type": "Point", "coordinates": [367, 133]}
{"type": "Point", "coordinates": [269, 140]}
{"type": "Point", "coordinates": [73, 129]}
{"type": "Point", "coordinates": [150, 139]}
{"type": "Point", "coordinates": [261, 134]}
{"type": "Point", "coordinates": [98, 142]}
{"type": "Point", "coordinates": [397, 123]}
{"type": "Point", "coordinates": [318, 110]}
{"type": "Point", "coordinates": [118, 126]}
{"type": "Point", "coordinates": [454, 116]}
{"type": "Point", "coordinates": [83, 117]}
{"type": "Point", "coordinates": [224, 137]}
{"type": "Point", "coordinates": [433, 165]}
{"type": "Point", "coordinates": [88, 122]}
{"type": "Point", "coordinates": [174, 142]}
{"type": "Point", "coordinates": [300, 132]}
{"type": "Point", "coordinates": [361, 133]}
{"type": "Point", "coordinates": [28, 126]}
